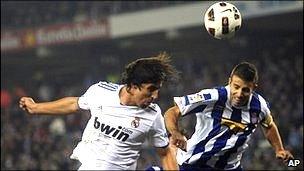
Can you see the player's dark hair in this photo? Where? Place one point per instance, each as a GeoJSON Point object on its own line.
{"type": "Point", "coordinates": [149, 70]}
{"type": "Point", "coordinates": [246, 71]}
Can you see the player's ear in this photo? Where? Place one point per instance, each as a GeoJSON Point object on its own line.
{"type": "Point", "coordinates": [128, 88]}
{"type": "Point", "coordinates": [229, 80]}
{"type": "Point", "coordinates": [255, 86]}
{"type": "Point", "coordinates": [135, 86]}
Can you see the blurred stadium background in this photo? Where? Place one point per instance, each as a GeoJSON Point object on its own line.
{"type": "Point", "coordinates": [54, 49]}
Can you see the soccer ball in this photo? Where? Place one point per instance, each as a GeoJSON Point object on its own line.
{"type": "Point", "coordinates": [222, 20]}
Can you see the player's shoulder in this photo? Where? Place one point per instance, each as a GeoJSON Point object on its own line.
{"type": "Point", "coordinates": [109, 86]}
{"type": "Point", "coordinates": [260, 99]}
{"type": "Point", "coordinates": [211, 94]}
{"type": "Point", "coordinates": [222, 90]}
{"type": "Point", "coordinates": [213, 90]}
{"type": "Point", "coordinates": [105, 86]}
{"type": "Point", "coordinates": [203, 96]}
{"type": "Point", "coordinates": [153, 107]}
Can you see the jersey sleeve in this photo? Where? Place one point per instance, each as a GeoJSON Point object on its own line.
{"type": "Point", "coordinates": [190, 103]}
{"type": "Point", "coordinates": [85, 100]}
{"type": "Point", "coordinates": [265, 115]}
{"type": "Point", "coordinates": [158, 133]}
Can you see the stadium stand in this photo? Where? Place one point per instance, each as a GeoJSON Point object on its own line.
{"type": "Point", "coordinates": [45, 143]}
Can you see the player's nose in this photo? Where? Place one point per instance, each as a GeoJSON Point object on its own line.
{"type": "Point", "coordinates": [155, 94]}
{"type": "Point", "coordinates": [239, 94]}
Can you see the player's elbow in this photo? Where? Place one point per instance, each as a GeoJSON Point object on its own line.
{"type": "Point", "coordinates": [167, 156]}
{"type": "Point", "coordinates": [68, 105]}
{"type": "Point", "coordinates": [162, 151]}
{"type": "Point", "coordinates": [74, 107]}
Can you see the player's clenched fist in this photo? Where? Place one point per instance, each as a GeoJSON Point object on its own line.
{"type": "Point", "coordinates": [179, 140]}
{"type": "Point", "coordinates": [27, 104]}
{"type": "Point", "coordinates": [284, 155]}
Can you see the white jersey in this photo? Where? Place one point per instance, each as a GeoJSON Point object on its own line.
{"type": "Point", "coordinates": [222, 131]}
{"type": "Point", "coordinates": [114, 135]}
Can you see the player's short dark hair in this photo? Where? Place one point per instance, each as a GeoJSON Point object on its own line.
{"type": "Point", "coordinates": [246, 71]}
{"type": "Point", "coordinates": [149, 70]}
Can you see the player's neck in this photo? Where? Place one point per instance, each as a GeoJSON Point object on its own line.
{"type": "Point", "coordinates": [125, 97]}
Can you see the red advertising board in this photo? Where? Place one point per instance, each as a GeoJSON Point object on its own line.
{"type": "Point", "coordinates": [54, 34]}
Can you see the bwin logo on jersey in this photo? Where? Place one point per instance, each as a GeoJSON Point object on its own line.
{"type": "Point", "coordinates": [117, 133]}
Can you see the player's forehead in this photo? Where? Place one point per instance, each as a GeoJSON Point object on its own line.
{"type": "Point", "coordinates": [152, 85]}
{"type": "Point", "coordinates": [236, 80]}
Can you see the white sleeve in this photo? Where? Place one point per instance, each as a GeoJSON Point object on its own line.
{"type": "Point", "coordinates": [159, 137]}
{"type": "Point", "coordinates": [84, 100]}
{"type": "Point", "coordinates": [188, 103]}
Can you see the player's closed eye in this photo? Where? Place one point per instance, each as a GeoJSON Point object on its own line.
{"type": "Point", "coordinates": [246, 90]}
{"type": "Point", "coordinates": [236, 86]}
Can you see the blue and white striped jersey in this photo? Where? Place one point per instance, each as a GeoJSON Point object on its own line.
{"type": "Point", "coordinates": [222, 131]}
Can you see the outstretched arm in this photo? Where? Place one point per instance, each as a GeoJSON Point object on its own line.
{"type": "Point", "coordinates": [171, 119]}
{"type": "Point", "coordinates": [273, 136]}
{"type": "Point", "coordinates": [167, 158]}
{"type": "Point", "coordinates": [65, 105]}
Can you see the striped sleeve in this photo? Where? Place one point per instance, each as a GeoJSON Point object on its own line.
{"type": "Point", "coordinates": [196, 102]}
{"type": "Point", "coordinates": [265, 115]}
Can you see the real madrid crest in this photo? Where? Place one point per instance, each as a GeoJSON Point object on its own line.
{"type": "Point", "coordinates": [135, 122]}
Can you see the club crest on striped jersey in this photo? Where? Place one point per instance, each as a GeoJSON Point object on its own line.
{"type": "Point", "coordinates": [254, 118]}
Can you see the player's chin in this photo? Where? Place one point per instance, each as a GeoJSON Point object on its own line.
{"type": "Point", "coordinates": [237, 103]}
{"type": "Point", "coordinates": [145, 105]}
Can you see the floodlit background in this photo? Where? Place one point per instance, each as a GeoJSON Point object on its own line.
{"type": "Point", "coordinates": [54, 49]}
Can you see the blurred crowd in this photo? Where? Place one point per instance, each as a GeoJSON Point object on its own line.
{"type": "Point", "coordinates": [45, 142]}
{"type": "Point", "coordinates": [28, 14]}
{"type": "Point", "coordinates": [43, 13]}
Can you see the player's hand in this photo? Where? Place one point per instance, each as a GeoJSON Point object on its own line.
{"type": "Point", "coordinates": [179, 140]}
{"type": "Point", "coordinates": [27, 104]}
{"type": "Point", "coordinates": [284, 155]}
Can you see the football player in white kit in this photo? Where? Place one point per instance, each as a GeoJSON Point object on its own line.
{"type": "Point", "coordinates": [226, 117]}
{"type": "Point", "coordinates": [122, 117]}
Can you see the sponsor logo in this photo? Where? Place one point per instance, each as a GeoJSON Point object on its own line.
{"type": "Point", "coordinates": [119, 133]}
{"type": "Point", "coordinates": [233, 126]}
{"type": "Point", "coordinates": [195, 98]}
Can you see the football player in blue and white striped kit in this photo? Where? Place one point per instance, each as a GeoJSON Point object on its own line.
{"type": "Point", "coordinates": [226, 118]}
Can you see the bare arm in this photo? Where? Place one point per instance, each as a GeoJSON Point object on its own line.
{"type": "Point", "coordinates": [65, 105]}
{"type": "Point", "coordinates": [171, 119]}
{"type": "Point", "coordinates": [167, 158]}
{"type": "Point", "coordinates": [273, 136]}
